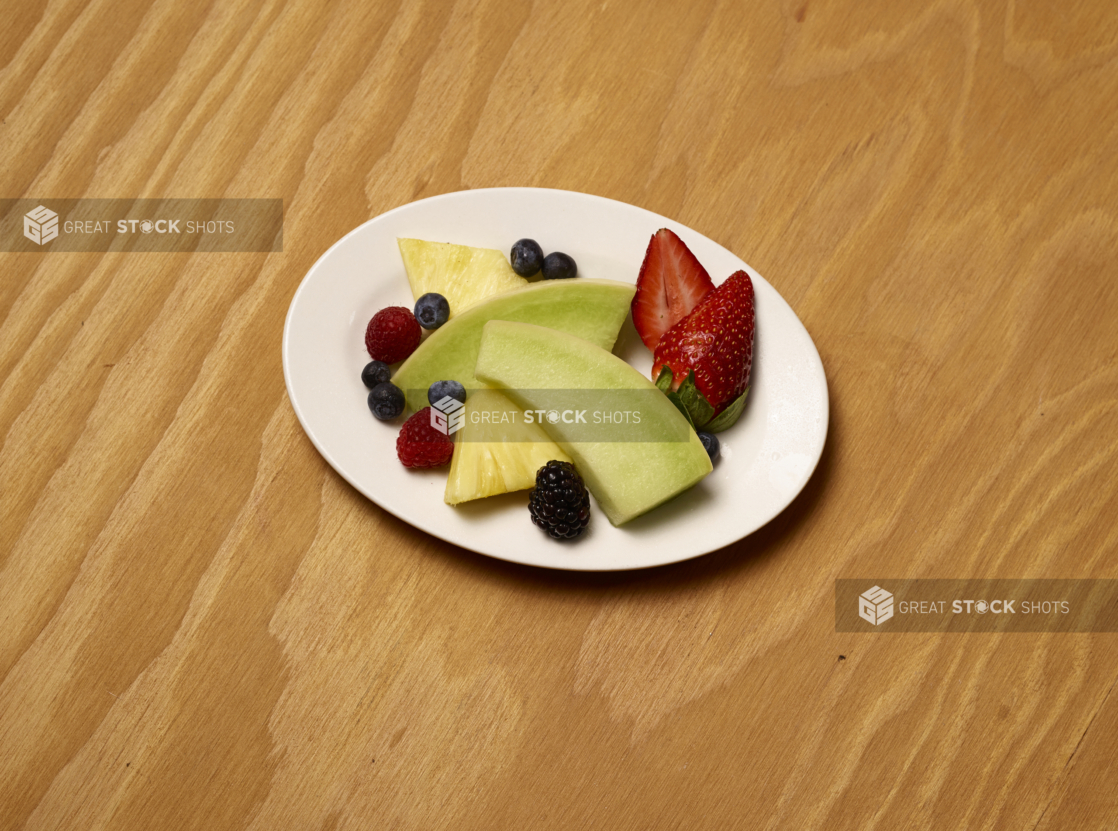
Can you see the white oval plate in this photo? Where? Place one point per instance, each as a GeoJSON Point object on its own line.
{"type": "Point", "coordinates": [766, 459]}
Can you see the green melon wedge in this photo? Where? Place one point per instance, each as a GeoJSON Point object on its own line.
{"type": "Point", "coordinates": [628, 478]}
{"type": "Point", "coordinates": [589, 308]}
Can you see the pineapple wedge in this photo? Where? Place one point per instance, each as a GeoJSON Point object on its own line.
{"type": "Point", "coordinates": [498, 454]}
{"type": "Point", "coordinates": [461, 274]}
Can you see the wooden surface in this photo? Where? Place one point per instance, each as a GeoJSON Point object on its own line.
{"type": "Point", "coordinates": [202, 626]}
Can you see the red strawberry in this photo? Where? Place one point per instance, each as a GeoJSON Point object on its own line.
{"type": "Point", "coordinates": [671, 283]}
{"type": "Point", "coordinates": [716, 341]}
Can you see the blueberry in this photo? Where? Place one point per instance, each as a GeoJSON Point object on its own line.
{"type": "Point", "coordinates": [527, 256]}
{"type": "Point", "coordinates": [375, 372]}
{"type": "Point", "coordinates": [710, 444]}
{"type": "Point", "coordinates": [441, 389]}
{"type": "Point", "coordinates": [558, 266]}
{"type": "Point", "coordinates": [432, 310]}
{"type": "Point", "coordinates": [386, 401]}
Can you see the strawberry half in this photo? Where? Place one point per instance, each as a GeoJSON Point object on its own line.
{"type": "Point", "coordinates": [670, 284]}
{"type": "Point", "coordinates": [715, 342]}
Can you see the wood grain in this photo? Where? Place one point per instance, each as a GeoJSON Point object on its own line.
{"type": "Point", "coordinates": [205, 627]}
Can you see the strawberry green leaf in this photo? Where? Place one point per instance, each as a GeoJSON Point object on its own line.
{"type": "Point", "coordinates": [675, 399]}
{"type": "Point", "coordinates": [698, 408]}
{"type": "Point", "coordinates": [664, 379]}
{"type": "Point", "coordinates": [728, 416]}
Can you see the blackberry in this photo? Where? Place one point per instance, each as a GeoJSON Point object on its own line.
{"type": "Point", "coordinates": [559, 503]}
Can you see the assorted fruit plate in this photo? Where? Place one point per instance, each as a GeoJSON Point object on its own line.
{"type": "Point", "coordinates": [733, 405]}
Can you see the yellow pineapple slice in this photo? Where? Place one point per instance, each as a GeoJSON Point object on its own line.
{"type": "Point", "coordinates": [496, 451]}
{"type": "Point", "coordinates": [461, 274]}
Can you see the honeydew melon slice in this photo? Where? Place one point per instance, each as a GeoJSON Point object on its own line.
{"type": "Point", "coordinates": [589, 308]}
{"type": "Point", "coordinates": [497, 450]}
{"type": "Point", "coordinates": [628, 478]}
{"type": "Point", "coordinates": [463, 275]}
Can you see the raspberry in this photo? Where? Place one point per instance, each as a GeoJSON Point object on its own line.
{"type": "Point", "coordinates": [392, 334]}
{"type": "Point", "coordinates": [421, 445]}
{"type": "Point", "coordinates": [559, 503]}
